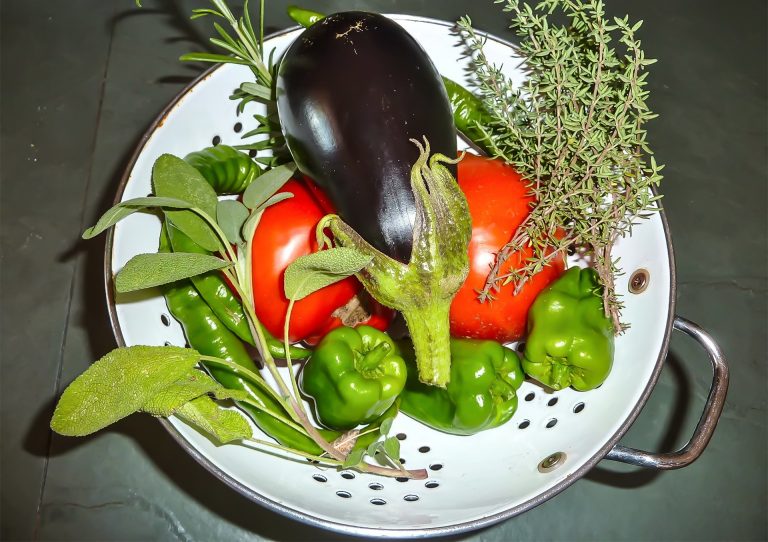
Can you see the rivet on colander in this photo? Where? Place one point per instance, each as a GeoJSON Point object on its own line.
{"type": "Point", "coordinates": [551, 462]}
{"type": "Point", "coordinates": [639, 280]}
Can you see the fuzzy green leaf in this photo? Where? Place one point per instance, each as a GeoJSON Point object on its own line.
{"type": "Point", "coordinates": [173, 177]}
{"type": "Point", "coordinates": [353, 458]}
{"type": "Point", "coordinates": [310, 273]}
{"type": "Point", "coordinates": [259, 191]}
{"type": "Point", "coordinates": [192, 385]}
{"type": "Point", "coordinates": [127, 208]}
{"type": "Point", "coordinates": [118, 385]}
{"type": "Point", "coordinates": [222, 424]}
{"type": "Point", "coordinates": [148, 270]}
{"type": "Point", "coordinates": [231, 216]}
{"type": "Point", "coordinates": [392, 448]}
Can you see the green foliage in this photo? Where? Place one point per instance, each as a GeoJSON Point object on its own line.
{"type": "Point", "coordinates": [575, 129]}
{"type": "Point", "coordinates": [309, 273]}
{"type": "Point", "coordinates": [149, 270]}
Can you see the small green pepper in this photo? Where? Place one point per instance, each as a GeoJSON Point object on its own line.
{"type": "Point", "coordinates": [353, 376]}
{"type": "Point", "coordinates": [481, 394]}
{"type": "Point", "coordinates": [570, 339]}
{"type": "Point", "coordinates": [226, 169]}
{"type": "Point", "coordinates": [469, 114]}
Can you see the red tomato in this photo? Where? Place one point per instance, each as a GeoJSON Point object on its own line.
{"type": "Point", "coordinates": [285, 232]}
{"type": "Point", "coordinates": [498, 202]}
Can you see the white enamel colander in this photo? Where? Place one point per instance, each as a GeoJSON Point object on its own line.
{"type": "Point", "coordinates": [553, 439]}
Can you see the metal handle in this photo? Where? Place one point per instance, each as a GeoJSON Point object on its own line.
{"type": "Point", "coordinates": [706, 426]}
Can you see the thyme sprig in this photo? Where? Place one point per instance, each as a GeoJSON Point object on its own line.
{"type": "Point", "coordinates": [576, 130]}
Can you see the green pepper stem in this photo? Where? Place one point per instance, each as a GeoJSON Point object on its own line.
{"type": "Point", "coordinates": [430, 333]}
{"type": "Point", "coordinates": [371, 359]}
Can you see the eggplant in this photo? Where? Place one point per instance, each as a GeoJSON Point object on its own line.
{"type": "Point", "coordinates": [352, 91]}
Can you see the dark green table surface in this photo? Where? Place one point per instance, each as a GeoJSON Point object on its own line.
{"type": "Point", "coordinates": [82, 80]}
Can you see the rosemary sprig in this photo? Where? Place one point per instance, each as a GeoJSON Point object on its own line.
{"type": "Point", "coordinates": [244, 46]}
{"type": "Point", "coordinates": [575, 129]}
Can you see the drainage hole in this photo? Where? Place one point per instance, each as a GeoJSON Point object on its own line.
{"type": "Point", "coordinates": [551, 423]}
{"type": "Point", "coordinates": [402, 461]}
{"type": "Point", "coordinates": [238, 126]}
{"type": "Point", "coordinates": [252, 153]}
{"type": "Point", "coordinates": [344, 494]}
{"type": "Point", "coordinates": [378, 502]}
{"type": "Point", "coordinates": [530, 397]}
{"type": "Point", "coordinates": [216, 140]}
{"type": "Point", "coordinates": [436, 466]}
{"type": "Point", "coordinates": [578, 408]}
{"type": "Point", "coordinates": [520, 347]}
{"type": "Point", "coordinates": [168, 343]}
{"type": "Point", "coordinates": [376, 486]}
{"type": "Point", "coordinates": [431, 484]}
{"type": "Point", "coordinates": [319, 478]}
{"type": "Point", "coordinates": [424, 449]}
{"type": "Point", "coordinates": [347, 475]}
{"type": "Point", "coordinates": [165, 319]}
{"type": "Point", "coordinates": [401, 436]}
{"type": "Point", "coordinates": [552, 402]}
{"type": "Point", "coordinates": [524, 424]}
{"type": "Point", "coordinates": [411, 498]}
{"type": "Point", "coordinates": [401, 479]}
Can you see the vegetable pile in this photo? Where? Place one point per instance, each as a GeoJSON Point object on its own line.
{"type": "Point", "coordinates": [357, 207]}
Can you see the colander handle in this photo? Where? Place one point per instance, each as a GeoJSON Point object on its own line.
{"type": "Point", "coordinates": [706, 426]}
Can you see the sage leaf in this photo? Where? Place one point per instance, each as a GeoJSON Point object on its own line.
{"type": "Point", "coordinates": [353, 458]}
{"type": "Point", "coordinates": [373, 447]}
{"type": "Point", "coordinates": [310, 273]}
{"type": "Point", "coordinates": [231, 215]}
{"type": "Point", "coordinates": [386, 425]}
{"type": "Point", "coordinates": [190, 386]}
{"type": "Point", "coordinates": [392, 448]}
{"type": "Point", "coordinates": [173, 177]}
{"type": "Point", "coordinates": [127, 208]}
{"type": "Point", "coordinates": [148, 270]}
{"type": "Point", "coordinates": [119, 384]}
{"type": "Point", "coordinates": [259, 191]}
{"type": "Point", "coordinates": [222, 424]}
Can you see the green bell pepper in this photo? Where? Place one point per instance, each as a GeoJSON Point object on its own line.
{"type": "Point", "coordinates": [570, 339]}
{"type": "Point", "coordinates": [353, 376]}
{"type": "Point", "coordinates": [481, 394]}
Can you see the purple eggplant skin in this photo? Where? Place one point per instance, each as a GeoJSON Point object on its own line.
{"type": "Point", "coordinates": [352, 91]}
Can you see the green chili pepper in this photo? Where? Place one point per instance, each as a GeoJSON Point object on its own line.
{"type": "Point", "coordinates": [206, 334]}
{"type": "Point", "coordinates": [469, 113]}
{"type": "Point", "coordinates": [304, 17]}
{"type": "Point", "coordinates": [481, 394]}
{"type": "Point", "coordinates": [226, 169]}
{"type": "Point", "coordinates": [215, 291]}
{"type": "Point", "coordinates": [570, 339]}
{"type": "Point", "coordinates": [353, 376]}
